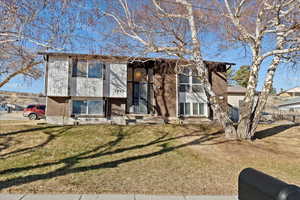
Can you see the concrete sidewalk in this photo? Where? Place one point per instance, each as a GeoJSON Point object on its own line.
{"type": "Point", "coordinates": [109, 197]}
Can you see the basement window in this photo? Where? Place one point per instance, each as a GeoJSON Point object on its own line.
{"type": "Point", "coordinates": [191, 109]}
{"type": "Point", "coordinates": [88, 107]}
{"type": "Point", "coordinates": [185, 109]}
{"type": "Point", "coordinates": [198, 109]}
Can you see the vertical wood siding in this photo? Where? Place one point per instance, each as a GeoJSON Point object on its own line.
{"type": "Point", "coordinates": [86, 87]}
{"type": "Point", "coordinates": [116, 81]}
{"type": "Point", "coordinates": [58, 75]}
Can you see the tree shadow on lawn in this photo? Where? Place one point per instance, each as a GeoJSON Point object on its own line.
{"type": "Point", "coordinates": [28, 130]}
{"type": "Point", "coordinates": [100, 151]}
{"type": "Point", "coordinates": [272, 131]}
{"type": "Point", "coordinates": [50, 137]}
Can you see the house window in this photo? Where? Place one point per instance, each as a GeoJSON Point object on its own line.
{"type": "Point", "coordinates": [198, 109]}
{"type": "Point", "coordinates": [184, 88]}
{"type": "Point", "coordinates": [184, 81]}
{"type": "Point", "coordinates": [88, 107]}
{"type": "Point", "coordinates": [79, 68]}
{"type": "Point", "coordinates": [184, 77]}
{"type": "Point", "coordinates": [189, 83]}
{"type": "Point", "coordinates": [297, 93]}
{"type": "Point", "coordinates": [88, 69]}
{"type": "Point", "coordinates": [185, 109]}
{"type": "Point", "coordinates": [79, 107]}
{"type": "Point", "coordinates": [191, 109]}
{"type": "Point", "coordinates": [189, 103]}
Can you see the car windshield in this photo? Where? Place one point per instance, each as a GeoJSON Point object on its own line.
{"type": "Point", "coordinates": [30, 106]}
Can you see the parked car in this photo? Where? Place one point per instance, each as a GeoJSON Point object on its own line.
{"type": "Point", "coordinates": [266, 118]}
{"type": "Point", "coordinates": [34, 112]}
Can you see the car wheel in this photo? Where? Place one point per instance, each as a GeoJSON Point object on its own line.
{"type": "Point", "coordinates": [32, 116]}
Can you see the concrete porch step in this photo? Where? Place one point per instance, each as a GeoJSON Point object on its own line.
{"type": "Point", "coordinates": [144, 119]}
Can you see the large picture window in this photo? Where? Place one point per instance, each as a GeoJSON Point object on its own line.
{"type": "Point", "coordinates": [191, 109]}
{"type": "Point", "coordinates": [88, 107]}
{"type": "Point", "coordinates": [88, 69]}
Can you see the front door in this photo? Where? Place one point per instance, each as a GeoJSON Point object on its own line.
{"type": "Point", "coordinates": [138, 90]}
{"type": "Point", "coordinates": [140, 98]}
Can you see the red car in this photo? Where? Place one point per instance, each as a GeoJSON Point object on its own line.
{"type": "Point", "coordinates": [34, 112]}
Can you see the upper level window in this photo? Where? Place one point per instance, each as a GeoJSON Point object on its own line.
{"type": "Point", "coordinates": [189, 83]}
{"type": "Point", "coordinates": [89, 69]}
{"type": "Point", "coordinates": [79, 68]}
{"type": "Point", "coordinates": [184, 77]}
{"type": "Point", "coordinates": [95, 70]}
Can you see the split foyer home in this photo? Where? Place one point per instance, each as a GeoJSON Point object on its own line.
{"type": "Point", "coordinates": [84, 88]}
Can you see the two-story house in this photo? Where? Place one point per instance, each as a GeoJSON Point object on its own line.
{"type": "Point", "coordinates": [83, 88]}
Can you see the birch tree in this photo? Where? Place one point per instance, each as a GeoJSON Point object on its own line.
{"type": "Point", "coordinates": [27, 27]}
{"type": "Point", "coordinates": [174, 27]}
{"type": "Point", "coordinates": [271, 30]}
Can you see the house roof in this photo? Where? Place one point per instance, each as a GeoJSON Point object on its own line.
{"type": "Point", "coordinates": [236, 89]}
{"type": "Point", "coordinates": [295, 89]}
{"type": "Point", "coordinates": [125, 58]}
{"type": "Point", "coordinates": [287, 102]}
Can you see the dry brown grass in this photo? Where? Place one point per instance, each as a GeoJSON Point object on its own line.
{"type": "Point", "coordinates": [156, 159]}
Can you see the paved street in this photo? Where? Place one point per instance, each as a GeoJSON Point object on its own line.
{"type": "Point", "coordinates": [109, 197]}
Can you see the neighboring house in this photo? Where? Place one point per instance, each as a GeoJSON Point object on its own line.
{"type": "Point", "coordinates": [294, 92]}
{"type": "Point", "coordinates": [290, 104]}
{"type": "Point", "coordinates": [235, 95]}
{"type": "Point", "coordinates": [82, 88]}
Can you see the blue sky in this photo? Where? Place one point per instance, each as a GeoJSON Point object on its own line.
{"type": "Point", "coordinates": [286, 77]}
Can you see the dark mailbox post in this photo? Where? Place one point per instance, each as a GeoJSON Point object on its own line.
{"type": "Point", "coordinates": [255, 185]}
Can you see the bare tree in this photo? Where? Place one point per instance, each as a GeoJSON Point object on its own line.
{"type": "Point", "coordinates": [174, 27]}
{"type": "Point", "coordinates": [253, 23]}
{"type": "Point", "coordinates": [171, 27]}
{"type": "Point", "coordinates": [27, 27]}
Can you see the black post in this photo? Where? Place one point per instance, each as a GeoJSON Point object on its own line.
{"type": "Point", "coordinates": [255, 185]}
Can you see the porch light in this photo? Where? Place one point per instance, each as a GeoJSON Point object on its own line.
{"type": "Point", "coordinates": [138, 75]}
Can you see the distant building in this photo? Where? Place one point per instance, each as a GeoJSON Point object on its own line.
{"type": "Point", "coordinates": [235, 95]}
{"type": "Point", "coordinates": [290, 104]}
{"type": "Point", "coordinates": [294, 92]}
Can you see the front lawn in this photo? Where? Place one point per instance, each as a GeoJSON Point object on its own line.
{"type": "Point", "coordinates": [154, 159]}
